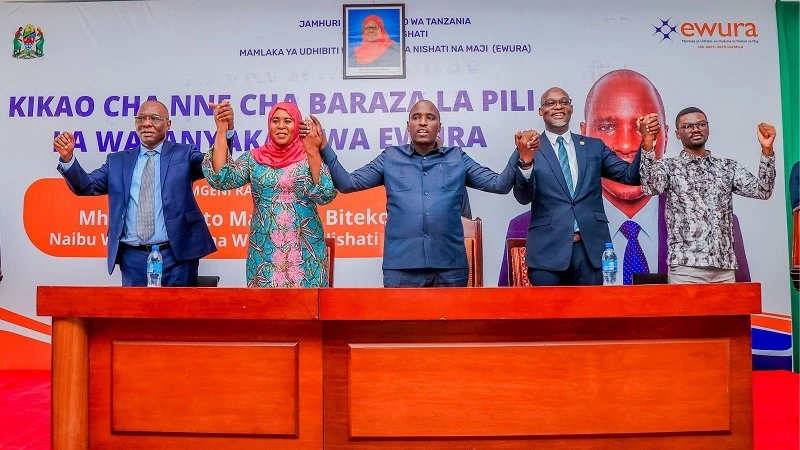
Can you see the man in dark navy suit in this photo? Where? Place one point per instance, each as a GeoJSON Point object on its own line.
{"type": "Point", "coordinates": [568, 227]}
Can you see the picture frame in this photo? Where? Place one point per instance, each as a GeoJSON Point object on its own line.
{"type": "Point", "coordinates": [373, 41]}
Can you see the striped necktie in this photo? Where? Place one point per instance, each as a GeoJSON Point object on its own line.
{"type": "Point", "coordinates": [145, 214]}
{"type": "Point", "coordinates": [563, 159]}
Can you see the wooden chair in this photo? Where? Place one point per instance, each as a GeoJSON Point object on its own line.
{"type": "Point", "coordinates": [517, 269]}
{"type": "Point", "coordinates": [330, 246]}
{"type": "Point", "coordinates": [473, 242]}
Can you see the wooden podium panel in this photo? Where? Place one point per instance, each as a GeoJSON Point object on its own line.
{"type": "Point", "coordinates": [633, 367]}
{"type": "Point", "coordinates": [661, 367]}
{"type": "Point", "coordinates": [191, 368]}
{"type": "Point", "coordinates": [204, 384]}
{"type": "Point", "coordinates": [538, 389]}
{"type": "Point", "coordinates": [205, 387]}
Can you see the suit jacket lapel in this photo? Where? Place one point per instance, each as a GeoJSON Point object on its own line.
{"type": "Point", "coordinates": [128, 164]}
{"type": "Point", "coordinates": [580, 154]}
{"type": "Point", "coordinates": [550, 155]}
{"type": "Point", "coordinates": [167, 150]}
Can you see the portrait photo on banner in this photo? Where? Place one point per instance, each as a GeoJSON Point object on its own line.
{"type": "Point", "coordinates": [374, 41]}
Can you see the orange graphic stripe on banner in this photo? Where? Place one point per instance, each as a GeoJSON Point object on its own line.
{"type": "Point", "coordinates": [356, 221]}
{"type": "Point", "coordinates": [25, 322]}
{"type": "Point", "coordinates": [773, 323]}
{"type": "Point", "coordinates": [23, 353]}
{"type": "Point", "coordinates": [61, 224]}
{"type": "Point", "coordinates": [777, 316]}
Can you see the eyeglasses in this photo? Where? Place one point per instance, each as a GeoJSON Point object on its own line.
{"type": "Point", "coordinates": [372, 28]}
{"type": "Point", "coordinates": [551, 103]}
{"type": "Point", "coordinates": [690, 126]}
{"type": "Point", "coordinates": [153, 119]}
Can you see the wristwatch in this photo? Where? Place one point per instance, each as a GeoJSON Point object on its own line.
{"type": "Point", "coordinates": [524, 166]}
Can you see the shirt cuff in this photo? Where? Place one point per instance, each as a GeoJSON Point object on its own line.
{"type": "Point", "coordinates": [229, 134]}
{"type": "Point", "coordinates": [66, 165]}
{"type": "Point", "coordinates": [526, 173]}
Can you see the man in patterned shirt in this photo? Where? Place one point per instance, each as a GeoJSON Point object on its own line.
{"type": "Point", "coordinates": [699, 211]}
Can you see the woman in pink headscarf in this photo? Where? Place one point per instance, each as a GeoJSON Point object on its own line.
{"type": "Point", "coordinates": [377, 49]}
{"type": "Point", "coordinates": [288, 180]}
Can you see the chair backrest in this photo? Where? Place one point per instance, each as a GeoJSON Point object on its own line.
{"type": "Point", "coordinates": [473, 242]}
{"type": "Point", "coordinates": [517, 269]}
{"type": "Point", "coordinates": [207, 281]}
{"type": "Point", "coordinates": [330, 246]}
{"type": "Point", "coordinates": [649, 278]}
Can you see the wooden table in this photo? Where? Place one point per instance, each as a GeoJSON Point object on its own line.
{"type": "Point", "coordinates": [478, 368]}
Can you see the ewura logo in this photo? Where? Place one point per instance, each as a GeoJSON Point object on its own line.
{"type": "Point", "coordinates": [665, 29]}
{"type": "Point", "coordinates": [28, 43]}
{"type": "Point", "coordinates": [705, 29]}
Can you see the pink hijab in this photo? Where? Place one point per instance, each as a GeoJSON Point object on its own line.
{"type": "Point", "coordinates": [370, 51]}
{"type": "Point", "coordinates": [270, 154]}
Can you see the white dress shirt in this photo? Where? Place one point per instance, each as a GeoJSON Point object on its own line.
{"type": "Point", "coordinates": [570, 146]}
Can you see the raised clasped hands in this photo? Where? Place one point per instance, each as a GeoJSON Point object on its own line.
{"type": "Point", "coordinates": [312, 123]}
{"type": "Point", "coordinates": [223, 115]}
{"type": "Point", "coordinates": [649, 128]}
{"type": "Point", "coordinates": [314, 138]}
{"type": "Point", "coordinates": [64, 144]}
{"type": "Point", "coordinates": [527, 143]}
{"type": "Point", "coordinates": [766, 137]}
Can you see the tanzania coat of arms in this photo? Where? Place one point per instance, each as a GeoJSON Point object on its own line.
{"type": "Point", "coordinates": [28, 43]}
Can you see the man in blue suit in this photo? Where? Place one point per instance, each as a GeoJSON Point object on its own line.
{"type": "Point", "coordinates": [568, 227]}
{"type": "Point", "coordinates": [159, 209]}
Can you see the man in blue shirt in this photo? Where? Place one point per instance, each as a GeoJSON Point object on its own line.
{"type": "Point", "coordinates": [425, 186]}
{"type": "Point", "coordinates": [146, 210]}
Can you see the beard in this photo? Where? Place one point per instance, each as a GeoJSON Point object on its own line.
{"type": "Point", "coordinates": [560, 124]}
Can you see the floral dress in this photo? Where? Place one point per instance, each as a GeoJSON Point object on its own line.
{"type": "Point", "coordinates": [287, 242]}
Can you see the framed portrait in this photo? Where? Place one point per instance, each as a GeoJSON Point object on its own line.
{"type": "Point", "coordinates": [374, 41]}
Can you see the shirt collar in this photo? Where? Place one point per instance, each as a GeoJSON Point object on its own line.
{"type": "Point", "coordinates": [553, 136]}
{"type": "Point", "coordinates": [409, 150]}
{"type": "Point", "coordinates": [698, 159]}
{"type": "Point", "coordinates": [143, 150]}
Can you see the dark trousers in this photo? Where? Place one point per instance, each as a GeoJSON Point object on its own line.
{"type": "Point", "coordinates": [425, 277]}
{"type": "Point", "coordinates": [133, 265]}
{"type": "Point", "coordinates": [579, 273]}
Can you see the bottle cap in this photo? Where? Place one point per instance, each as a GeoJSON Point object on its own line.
{"type": "Point", "coordinates": [155, 247]}
{"type": "Point", "coordinates": [609, 245]}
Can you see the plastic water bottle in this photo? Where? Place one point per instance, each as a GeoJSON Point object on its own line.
{"type": "Point", "coordinates": [609, 265]}
{"type": "Point", "coordinates": [154, 268]}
